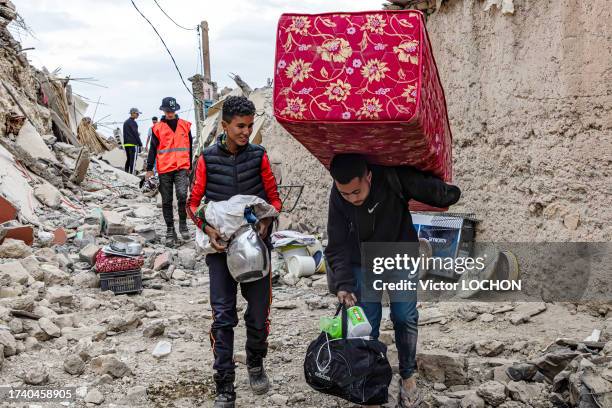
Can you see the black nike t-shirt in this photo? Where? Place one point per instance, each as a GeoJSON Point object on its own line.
{"type": "Point", "coordinates": [383, 217]}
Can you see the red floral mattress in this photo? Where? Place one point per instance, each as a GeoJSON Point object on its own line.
{"type": "Point", "coordinates": [363, 83]}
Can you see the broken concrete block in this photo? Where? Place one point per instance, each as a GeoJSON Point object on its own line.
{"type": "Point", "coordinates": [16, 272]}
{"type": "Point", "coordinates": [154, 328]}
{"type": "Point", "coordinates": [49, 327]}
{"type": "Point", "coordinates": [526, 393]}
{"type": "Point", "coordinates": [30, 140]}
{"type": "Point", "coordinates": [74, 365]}
{"type": "Point", "coordinates": [107, 364]}
{"type": "Point", "coordinates": [59, 294]}
{"type": "Point", "coordinates": [493, 392]}
{"type": "Point", "coordinates": [472, 400]}
{"type": "Point", "coordinates": [147, 232]}
{"type": "Point", "coordinates": [48, 195]}
{"type": "Point", "coordinates": [52, 275]}
{"type": "Point", "coordinates": [144, 212]}
{"type": "Point", "coordinates": [524, 312]}
{"type": "Point", "coordinates": [86, 280]}
{"type": "Point", "coordinates": [489, 348]}
{"type": "Point", "coordinates": [162, 261]}
{"type": "Point", "coordinates": [7, 340]}
{"type": "Point", "coordinates": [88, 254]}
{"type": "Point", "coordinates": [12, 248]}
{"type": "Point", "coordinates": [187, 258]}
{"type": "Point", "coordinates": [443, 367]}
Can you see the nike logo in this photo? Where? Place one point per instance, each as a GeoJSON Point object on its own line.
{"type": "Point", "coordinates": [371, 210]}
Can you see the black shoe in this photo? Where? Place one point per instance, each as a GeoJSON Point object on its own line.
{"type": "Point", "coordinates": [226, 396]}
{"type": "Point", "coordinates": [258, 380]}
{"type": "Point", "coordinates": [184, 230]}
{"type": "Point", "coordinates": [171, 236]}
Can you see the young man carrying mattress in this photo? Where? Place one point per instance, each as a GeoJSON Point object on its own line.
{"type": "Point", "coordinates": [369, 204]}
{"type": "Point", "coordinates": [230, 167]}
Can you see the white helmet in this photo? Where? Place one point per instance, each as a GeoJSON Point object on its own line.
{"type": "Point", "coordinates": [248, 258]}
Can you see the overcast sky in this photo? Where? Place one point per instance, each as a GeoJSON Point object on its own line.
{"type": "Point", "coordinates": [109, 41]}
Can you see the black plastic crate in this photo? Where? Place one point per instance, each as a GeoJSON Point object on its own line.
{"type": "Point", "coordinates": [122, 282]}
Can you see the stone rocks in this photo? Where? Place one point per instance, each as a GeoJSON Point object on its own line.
{"type": "Point", "coordinates": [49, 327]}
{"type": "Point", "coordinates": [16, 272]}
{"type": "Point", "coordinates": [144, 212]}
{"type": "Point", "coordinates": [493, 392]}
{"type": "Point", "coordinates": [284, 305]}
{"type": "Point", "coordinates": [525, 392]}
{"type": "Point", "coordinates": [154, 328]}
{"type": "Point", "coordinates": [34, 330]}
{"type": "Point", "coordinates": [48, 195]}
{"type": "Point", "coordinates": [1, 355]}
{"type": "Point", "coordinates": [443, 367]}
{"type": "Point", "coordinates": [486, 318]}
{"type": "Point", "coordinates": [240, 357]}
{"type": "Point", "coordinates": [137, 394]}
{"type": "Point", "coordinates": [86, 280]}
{"type": "Point", "coordinates": [52, 275]}
{"type": "Point", "coordinates": [8, 341]}
{"type": "Point", "coordinates": [489, 348]}
{"type": "Point", "coordinates": [279, 400]}
{"type": "Point", "coordinates": [121, 324]}
{"type": "Point", "coordinates": [13, 248]}
{"type": "Point", "coordinates": [179, 275]}
{"type": "Point", "coordinates": [94, 397]}
{"type": "Point", "coordinates": [187, 258]}
{"type": "Point", "coordinates": [471, 400]}
{"type": "Point", "coordinates": [74, 365]}
{"type": "Point", "coordinates": [37, 375]}
{"type": "Point", "coordinates": [524, 312]}
{"type": "Point", "coordinates": [110, 365]}
{"type": "Point", "coordinates": [146, 305]}
{"type": "Point", "coordinates": [88, 254]}
{"type": "Point", "coordinates": [59, 294]}
{"type": "Point", "coordinates": [442, 401]}
{"type": "Point", "coordinates": [162, 349]}
{"type": "Point", "coordinates": [162, 261]}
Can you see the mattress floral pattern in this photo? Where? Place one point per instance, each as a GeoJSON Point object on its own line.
{"type": "Point", "coordinates": [365, 83]}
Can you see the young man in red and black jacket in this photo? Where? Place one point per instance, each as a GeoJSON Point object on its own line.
{"type": "Point", "coordinates": [230, 167]}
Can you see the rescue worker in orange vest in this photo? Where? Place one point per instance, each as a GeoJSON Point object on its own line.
{"type": "Point", "coordinates": [170, 151]}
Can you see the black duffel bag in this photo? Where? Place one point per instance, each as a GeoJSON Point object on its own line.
{"type": "Point", "coordinates": [355, 369]}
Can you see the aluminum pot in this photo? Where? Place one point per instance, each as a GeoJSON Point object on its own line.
{"type": "Point", "coordinates": [248, 258]}
{"type": "Point", "coordinates": [133, 248]}
{"type": "Point", "coordinates": [120, 243]}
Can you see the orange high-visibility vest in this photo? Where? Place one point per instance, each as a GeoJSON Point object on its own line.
{"type": "Point", "coordinates": [173, 148]}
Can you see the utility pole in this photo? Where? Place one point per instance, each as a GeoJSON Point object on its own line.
{"type": "Point", "coordinates": [205, 51]}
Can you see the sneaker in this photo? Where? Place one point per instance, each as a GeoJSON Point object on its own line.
{"type": "Point", "coordinates": [184, 230]}
{"type": "Point", "coordinates": [258, 380]}
{"type": "Point", "coordinates": [171, 236]}
{"type": "Point", "coordinates": [226, 396]}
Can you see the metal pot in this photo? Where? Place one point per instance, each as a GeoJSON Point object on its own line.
{"type": "Point", "coordinates": [133, 248]}
{"type": "Point", "coordinates": [120, 243]}
{"type": "Point", "coordinates": [248, 258]}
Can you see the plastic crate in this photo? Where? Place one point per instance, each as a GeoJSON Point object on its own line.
{"type": "Point", "coordinates": [122, 282]}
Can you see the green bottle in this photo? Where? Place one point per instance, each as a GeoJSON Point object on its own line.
{"type": "Point", "coordinates": [332, 326]}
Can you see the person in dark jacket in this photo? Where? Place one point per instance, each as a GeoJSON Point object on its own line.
{"type": "Point", "coordinates": [230, 167]}
{"type": "Point", "coordinates": [170, 152]}
{"type": "Point", "coordinates": [131, 140]}
{"type": "Point", "coordinates": [365, 205]}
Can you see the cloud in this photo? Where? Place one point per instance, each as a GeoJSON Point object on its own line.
{"type": "Point", "coordinates": [109, 41]}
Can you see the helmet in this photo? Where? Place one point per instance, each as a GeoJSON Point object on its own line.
{"type": "Point", "coordinates": [150, 186]}
{"type": "Point", "coordinates": [248, 258]}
